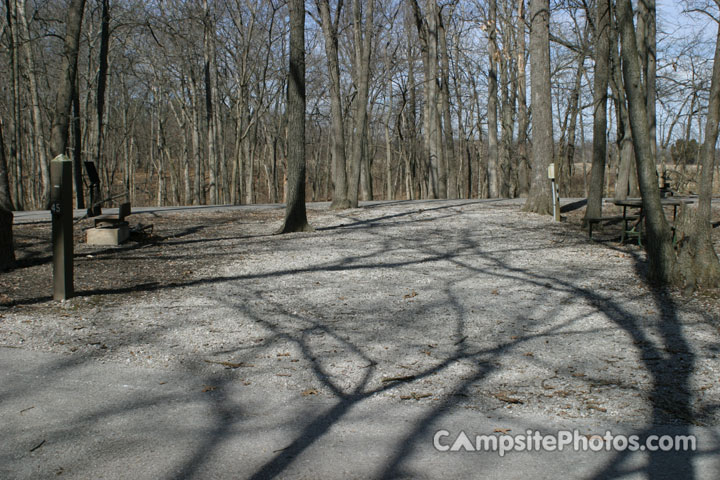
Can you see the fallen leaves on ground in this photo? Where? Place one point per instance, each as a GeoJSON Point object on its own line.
{"type": "Point", "coordinates": [505, 397]}
{"type": "Point", "coordinates": [415, 396]}
{"type": "Point", "coordinates": [230, 364]}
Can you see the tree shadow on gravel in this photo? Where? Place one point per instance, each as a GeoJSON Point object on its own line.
{"type": "Point", "coordinates": [660, 342]}
{"type": "Point", "coordinates": [670, 365]}
{"type": "Point", "coordinates": [670, 362]}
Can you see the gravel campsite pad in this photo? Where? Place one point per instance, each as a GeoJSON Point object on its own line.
{"type": "Point", "coordinates": [461, 303]}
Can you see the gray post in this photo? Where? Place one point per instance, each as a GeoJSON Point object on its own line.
{"type": "Point", "coordinates": [555, 192]}
{"type": "Point", "coordinates": [61, 209]}
{"type": "Point", "coordinates": [556, 201]}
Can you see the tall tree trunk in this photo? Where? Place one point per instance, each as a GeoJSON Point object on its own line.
{"type": "Point", "coordinates": [697, 259]}
{"type": "Point", "coordinates": [567, 154]}
{"type": "Point", "coordinates": [15, 161]}
{"type": "Point", "coordinates": [38, 127]}
{"type": "Point", "coordinates": [432, 128]}
{"type": "Point", "coordinates": [661, 255]}
{"type": "Point", "coordinates": [61, 120]}
{"type": "Point", "coordinates": [410, 115]}
{"type": "Point", "coordinates": [362, 38]}
{"type": "Point", "coordinates": [199, 180]}
{"type": "Point", "coordinates": [438, 161]}
{"type": "Point", "coordinates": [330, 33]}
{"type": "Point", "coordinates": [523, 117]}
{"type": "Point", "coordinates": [77, 150]}
{"type": "Point", "coordinates": [295, 215]}
{"type": "Point", "coordinates": [368, 156]}
{"type": "Point", "coordinates": [386, 125]}
{"type": "Point", "coordinates": [540, 198]}
{"type": "Point", "coordinates": [646, 39]}
{"type": "Point", "coordinates": [209, 72]}
{"type": "Point", "coordinates": [7, 247]}
{"type": "Point", "coordinates": [449, 139]}
{"type": "Point", "coordinates": [626, 180]}
{"type": "Point", "coordinates": [507, 115]}
{"type": "Point", "coordinates": [465, 183]}
{"type": "Point", "coordinates": [5, 197]}
{"type": "Point", "coordinates": [102, 81]}
{"type": "Point", "coordinates": [493, 167]}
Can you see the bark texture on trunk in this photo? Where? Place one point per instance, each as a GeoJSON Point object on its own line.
{"type": "Point", "coordinates": [697, 259]}
{"type": "Point", "coordinates": [7, 250]}
{"type": "Point", "coordinates": [661, 255]}
{"type": "Point", "coordinates": [295, 214]}
{"type": "Point", "coordinates": [493, 166]}
{"type": "Point", "coordinates": [540, 198]}
{"type": "Point", "coordinates": [5, 197]}
{"type": "Point", "coordinates": [362, 37]}
{"type": "Point", "coordinates": [339, 173]}
{"type": "Point", "coordinates": [37, 119]}
{"type": "Point", "coordinates": [63, 104]}
{"type": "Point", "coordinates": [524, 169]}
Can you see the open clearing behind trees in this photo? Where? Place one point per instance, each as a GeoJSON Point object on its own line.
{"type": "Point", "coordinates": [462, 304]}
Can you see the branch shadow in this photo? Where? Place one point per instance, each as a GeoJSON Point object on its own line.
{"type": "Point", "coordinates": [661, 343]}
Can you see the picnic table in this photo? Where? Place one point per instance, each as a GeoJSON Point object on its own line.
{"type": "Point", "coordinates": [633, 215]}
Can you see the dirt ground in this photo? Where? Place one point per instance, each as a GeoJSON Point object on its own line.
{"type": "Point", "coordinates": [470, 303]}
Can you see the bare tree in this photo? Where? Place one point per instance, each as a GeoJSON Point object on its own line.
{"type": "Point", "coordinates": [7, 249]}
{"type": "Point", "coordinates": [450, 158]}
{"type": "Point", "coordinates": [661, 255]}
{"type": "Point", "coordinates": [61, 120]}
{"type": "Point", "coordinates": [600, 94]}
{"type": "Point", "coordinates": [15, 159]}
{"type": "Point", "coordinates": [362, 43]}
{"type": "Point", "coordinates": [37, 131]}
{"type": "Point", "coordinates": [428, 34]}
{"type": "Point", "coordinates": [493, 168]}
{"type": "Point", "coordinates": [295, 214]}
{"type": "Point", "coordinates": [209, 72]}
{"type": "Point", "coordinates": [540, 199]}
{"type": "Point", "coordinates": [626, 181]}
{"type": "Point", "coordinates": [697, 257]}
{"type": "Point", "coordinates": [524, 169]}
{"type": "Point", "coordinates": [695, 263]}
{"type": "Point", "coordinates": [101, 84]}
{"type": "Point", "coordinates": [5, 198]}
{"type": "Point", "coordinates": [647, 45]}
{"type": "Point", "coordinates": [330, 33]}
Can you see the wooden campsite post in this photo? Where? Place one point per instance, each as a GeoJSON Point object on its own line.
{"type": "Point", "coordinates": [61, 209]}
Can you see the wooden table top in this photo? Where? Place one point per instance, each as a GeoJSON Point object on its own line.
{"type": "Point", "coordinates": [637, 202]}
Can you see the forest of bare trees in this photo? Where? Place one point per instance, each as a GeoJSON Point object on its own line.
{"type": "Point", "coordinates": [188, 102]}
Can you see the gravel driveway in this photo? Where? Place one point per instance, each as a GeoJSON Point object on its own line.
{"type": "Point", "coordinates": [450, 303]}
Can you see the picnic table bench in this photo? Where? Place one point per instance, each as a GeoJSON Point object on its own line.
{"type": "Point", "coordinates": [633, 216]}
{"type": "Point", "coordinates": [607, 219]}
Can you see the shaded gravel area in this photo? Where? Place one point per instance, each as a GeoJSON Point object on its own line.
{"type": "Point", "coordinates": [457, 303]}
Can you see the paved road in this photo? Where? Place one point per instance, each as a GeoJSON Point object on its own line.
{"type": "Point", "coordinates": [44, 215]}
{"type": "Point", "coordinates": [35, 216]}
{"type": "Point", "coordinates": [69, 417]}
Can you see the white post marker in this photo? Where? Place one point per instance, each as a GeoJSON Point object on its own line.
{"type": "Point", "coordinates": [555, 192]}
